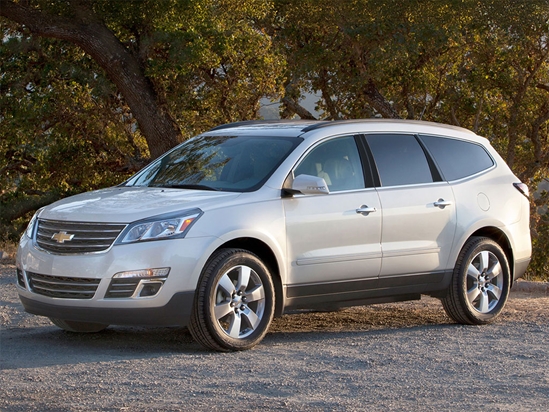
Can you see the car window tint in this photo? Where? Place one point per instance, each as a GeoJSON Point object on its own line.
{"type": "Point", "coordinates": [457, 158]}
{"type": "Point", "coordinates": [337, 162]}
{"type": "Point", "coordinates": [400, 159]}
{"type": "Point", "coordinates": [230, 163]}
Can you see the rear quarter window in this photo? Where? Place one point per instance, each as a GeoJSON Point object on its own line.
{"type": "Point", "coordinates": [457, 159]}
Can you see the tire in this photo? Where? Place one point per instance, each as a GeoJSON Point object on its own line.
{"type": "Point", "coordinates": [234, 302]}
{"type": "Point", "coordinates": [480, 283]}
{"type": "Point", "coordinates": [80, 327]}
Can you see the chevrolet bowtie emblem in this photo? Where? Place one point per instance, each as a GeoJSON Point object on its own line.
{"type": "Point", "coordinates": [62, 237]}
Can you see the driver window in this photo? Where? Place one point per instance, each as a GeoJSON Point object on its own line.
{"type": "Point", "coordinates": [337, 162]}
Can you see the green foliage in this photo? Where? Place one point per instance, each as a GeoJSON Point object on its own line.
{"type": "Point", "coordinates": [209, 60]}
{"type": "Point", "coordinates": [64, 129]}
{"type": "Point", "coordinates": [539, 266]}
{"type": "Point", "coordinates": [213, 62]}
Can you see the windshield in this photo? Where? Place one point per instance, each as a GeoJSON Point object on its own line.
{"type": "Point", "coordinates": [227, 163]}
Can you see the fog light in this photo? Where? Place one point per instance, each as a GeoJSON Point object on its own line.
{"type": "Point", "coordinates": [150, 289]}
{"type": "Point", "coordinates": [137, 283]}
{"type": "Point", "coordinates": [144, 273]}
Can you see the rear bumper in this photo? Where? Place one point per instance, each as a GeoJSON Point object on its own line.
{"type": "Point", "coordinates": [520, 268]}
{"type": "Point", "coordinates": [176, 312]}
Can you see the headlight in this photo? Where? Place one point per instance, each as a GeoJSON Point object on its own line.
{"type": "Point", "coordinates": [29, 231]}
{"type": "Point", "coordinates": [160, 227]}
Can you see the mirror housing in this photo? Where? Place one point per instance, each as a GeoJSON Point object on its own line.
{"type": "Point", "coordinates": [310, 185]}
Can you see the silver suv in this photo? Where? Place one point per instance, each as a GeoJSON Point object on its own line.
{"type": "Point", "coordinates": [254, 219]}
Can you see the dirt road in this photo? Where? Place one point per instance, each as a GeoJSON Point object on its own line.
{"type": "Point", "coordinates": [405, 356]}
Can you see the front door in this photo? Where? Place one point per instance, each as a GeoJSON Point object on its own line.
{"type": "Point", "coordinates": [333, 239]}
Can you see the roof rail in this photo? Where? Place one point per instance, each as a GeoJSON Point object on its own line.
{"type": "Point", "coordinates": [236, 124]}
{"type": "Point", "coordinates": [319, 125]}
{"type": "Point", "coordinates": [306, 123]}
{"type": "Point", "coordinates": [327, 123]}
{"type": "Point", "coordinates": [309, 125]}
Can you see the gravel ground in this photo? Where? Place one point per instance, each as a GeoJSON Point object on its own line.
{"type": "Point", "coordinates": [405, 356]}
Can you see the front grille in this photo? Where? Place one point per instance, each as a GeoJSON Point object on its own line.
{"type": "Point", "coordinates": [62, 286]}
{"type": "Point", "coordinates": [86, 237]}
{"type": "Point", "coordinates": [122, 288]}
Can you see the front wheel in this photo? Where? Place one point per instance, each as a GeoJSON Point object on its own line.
{"type": "Point", "coordinates": [79, 327]}
{"type": "Point", "coordinates": [234, 301]}
{"type": "Point", "coordinates": [480, 284]}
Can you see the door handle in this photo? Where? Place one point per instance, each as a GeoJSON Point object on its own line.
{"type": "Point", "coordinates": [365, 210]}
{"type": "Point", "coordinates": [442, 203]}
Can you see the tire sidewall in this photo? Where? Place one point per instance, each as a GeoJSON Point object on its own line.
{"type": "Point", "coordinates": [214, 271]}
{"type": "Point", "coordinates": [473, 251]}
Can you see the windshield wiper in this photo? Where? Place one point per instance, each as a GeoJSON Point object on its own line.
{"type": "Point", "coordinates": [190, 186]}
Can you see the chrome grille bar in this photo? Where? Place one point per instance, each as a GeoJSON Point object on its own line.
{"type": "Point", "coordinates": [85, 237]}
{"type": "Point", "coordinates": [122, 288]}
{"type": "Point", "coordinates": [62, 286]}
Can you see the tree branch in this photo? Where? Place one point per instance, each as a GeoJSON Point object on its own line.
{"type": "Point", "coordinates": [543, 86]}
{"type": "Point", "coordinates": [297, 108]}
{"type": "Point", "coordinates": [86, 31]}
{"type": "Point", "coordinates": [379, 102]}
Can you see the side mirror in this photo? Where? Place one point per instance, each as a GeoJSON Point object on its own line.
{"type": "Point", "coordinates": [310, 185]}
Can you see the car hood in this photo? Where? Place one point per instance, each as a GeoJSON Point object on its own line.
{"type": "Point", "coordinates": [128, 204]}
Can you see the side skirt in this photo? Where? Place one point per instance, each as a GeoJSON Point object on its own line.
{"type": "Point", "coordinates": [334, 295]}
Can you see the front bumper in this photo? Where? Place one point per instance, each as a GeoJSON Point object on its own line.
{"type": "Point", "coordinates": [171, 305]}
{"type": "Point", "coordinates": [176, 312]}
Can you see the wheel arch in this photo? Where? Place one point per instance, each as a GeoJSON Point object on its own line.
{"type": "Point", "coordinates": [266, 254]}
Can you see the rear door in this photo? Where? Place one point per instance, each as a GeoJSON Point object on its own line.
{"type": "Point", "coordinates": [419, 211]}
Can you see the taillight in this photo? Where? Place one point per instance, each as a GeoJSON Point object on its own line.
{"type": "Point", "coordinates": [522, 188]}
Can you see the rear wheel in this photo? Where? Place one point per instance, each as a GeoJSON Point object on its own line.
{"type": "Point", "coordinates": [480, 283]}
{"type": "Point", "coordinates": [234, 301]}
{"type": "Point", "coordinates": [81, 327]}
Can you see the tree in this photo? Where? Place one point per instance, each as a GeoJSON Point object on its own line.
{"type": "Point", "coordinates": [506, 66]}
{"type": "Point", "coordinates": [49, 150]}
{"type": "Point", "coordinates": [130, 40]}
{"type": "Point", "coordinates": [365, 58]}
{"type": "Point", "coordinates": [92, 89]}
{"type": "Point", "coordinates": [481, 65]}
{"type": "Point", "coordinates": [80, 25]}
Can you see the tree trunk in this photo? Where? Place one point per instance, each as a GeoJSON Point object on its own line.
{"type": "Point", "coordinates": [296, 108]}
{"type": "Point", "coordinates": [379, 102]}
{"type": "Point", "coordinates": [123, 69]}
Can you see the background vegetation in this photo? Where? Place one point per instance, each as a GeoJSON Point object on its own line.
{"type": "Point", "coordinates": [91, 90]}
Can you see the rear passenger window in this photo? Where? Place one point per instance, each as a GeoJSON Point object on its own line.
{"type": "Point", "coordinates": [457, 158]}
{"type": "Point", "coordinates": [400, 159]}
